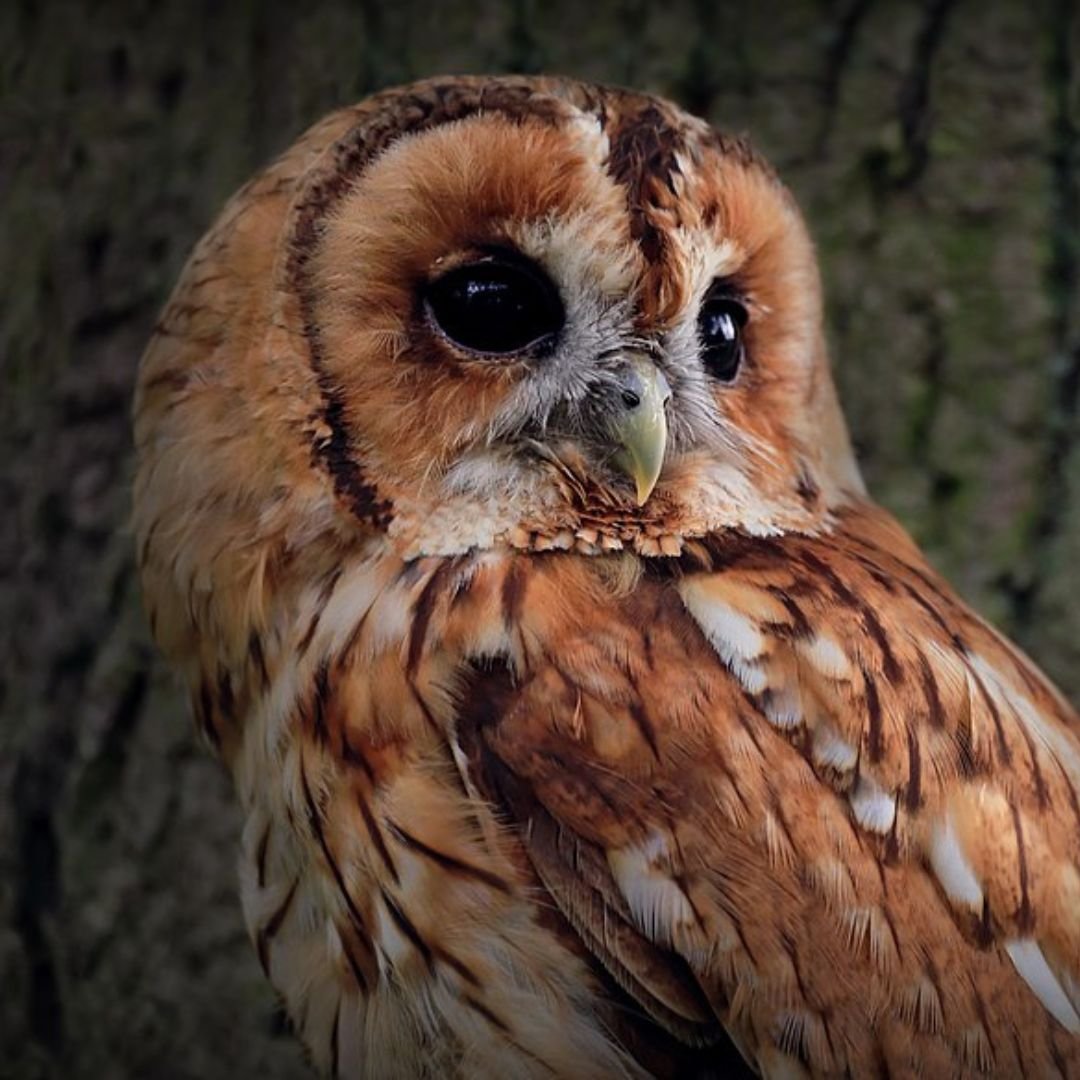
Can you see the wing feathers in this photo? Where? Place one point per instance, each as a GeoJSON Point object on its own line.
{"type": "Point", "coordinates": [843, 806]}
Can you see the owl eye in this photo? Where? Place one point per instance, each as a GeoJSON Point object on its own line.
{"type": "Point", "coordinates": [497, 306]}
{"type": "Point", "coordinates": [720, 326]}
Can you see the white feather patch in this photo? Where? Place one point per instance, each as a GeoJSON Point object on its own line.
{"type": "Point", "coordinates": [731, 633]}
{"type": "Point", "coordinates": [1030, 963]}
{"type": "Point", "coordinates": [873, 807]}
{"type": "Point", "coordinates": [783, 707]}
{"type": "Point", "coordinates": [658, 904]}
{"type": "Point", "coordinates": [753, 678]}
{"type": "Point", "coordinates": [832, 752]}
{"type": "Point", "coordinates": [952, 868]}
{"type": "Point", "coordinates": [736, 639]}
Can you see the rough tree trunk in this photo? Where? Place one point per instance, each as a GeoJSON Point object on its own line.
{"type": "Point", "coordinates": [935, 148]}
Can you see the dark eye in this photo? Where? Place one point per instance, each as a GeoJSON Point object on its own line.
{"type": "Point", "coordinates": [496, 307]}
{"type": "Point", "coordinates": [720, 326]}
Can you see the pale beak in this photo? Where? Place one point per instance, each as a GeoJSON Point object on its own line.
{"type": "Point", "coordinates": [640, 427]}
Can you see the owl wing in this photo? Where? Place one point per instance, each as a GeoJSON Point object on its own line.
{"type": "Point", "coordinates": [795, 787]}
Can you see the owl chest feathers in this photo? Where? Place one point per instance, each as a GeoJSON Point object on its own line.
{"type": "Point", "coordinates": [469, 779]}
{"type": "Point", "coordinates": [389, 905]}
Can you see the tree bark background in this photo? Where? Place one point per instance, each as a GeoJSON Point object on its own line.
{"type": "Point", "coordinates": [935, 146]}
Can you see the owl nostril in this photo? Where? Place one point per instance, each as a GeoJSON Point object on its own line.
{"type": "Point", "coordinates": [641, 382]}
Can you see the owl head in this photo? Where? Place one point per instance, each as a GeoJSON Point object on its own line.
{"type": "Point", "coordinates": [477, 312]}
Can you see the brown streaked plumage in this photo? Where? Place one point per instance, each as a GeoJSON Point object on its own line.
{"type": "Point", "coordinates": [545, 773]}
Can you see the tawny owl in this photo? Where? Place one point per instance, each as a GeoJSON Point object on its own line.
{"type": "Point", "coordinates": [587, 718]}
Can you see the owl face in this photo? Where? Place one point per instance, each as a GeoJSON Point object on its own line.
{"type": "Point", "coordinates": [553, 322]}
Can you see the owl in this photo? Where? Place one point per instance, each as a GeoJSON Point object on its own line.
{"type": "Point", "coordinates": [587, 718]}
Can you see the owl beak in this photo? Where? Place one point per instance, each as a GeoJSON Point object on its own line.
{"type": "Point", "coordinates": [640, 427]}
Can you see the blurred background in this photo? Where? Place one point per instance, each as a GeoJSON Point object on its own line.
{"type": "Point", "coordinates": [935, 146]}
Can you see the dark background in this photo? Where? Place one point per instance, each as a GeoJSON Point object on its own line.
{"type": "Point", "coordinates": [934, 146]}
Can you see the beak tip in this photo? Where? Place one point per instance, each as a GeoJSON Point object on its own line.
{"type": "Point", "coordinates": [644, 490]}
